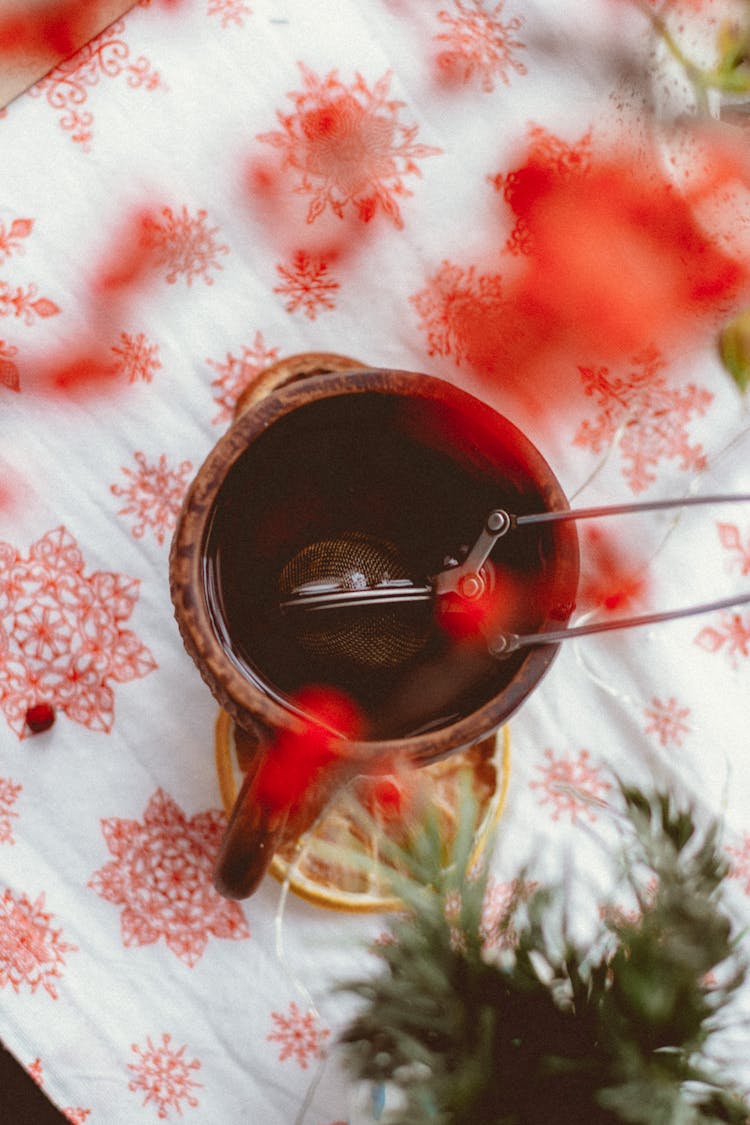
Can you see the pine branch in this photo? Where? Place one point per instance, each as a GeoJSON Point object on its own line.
{"type": "Point", "coordinates": [546, 1033]}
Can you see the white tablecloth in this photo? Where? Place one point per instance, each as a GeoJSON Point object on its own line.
{"type": "Point", "coordinates": [214, 184]}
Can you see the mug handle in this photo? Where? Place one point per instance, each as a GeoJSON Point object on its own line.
{"type": "Point", "coordinates": [288, 784]}
{"type": "Point", "coordinates": [256, 828]}
{"type": "Point", "coordinates": [251, 837]}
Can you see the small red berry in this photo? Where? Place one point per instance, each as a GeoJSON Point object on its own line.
{"type": "Point", "coordinates": [40, 717]}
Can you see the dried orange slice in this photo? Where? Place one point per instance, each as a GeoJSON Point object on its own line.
{"type": "Point", "coordinates": [306, 864]}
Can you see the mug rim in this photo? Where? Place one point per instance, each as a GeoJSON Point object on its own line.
{"type": "Point", "coordinates": [246, 701]}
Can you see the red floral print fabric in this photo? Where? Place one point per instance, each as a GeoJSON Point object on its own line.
{"type": "Point", "coordinates": [63, 635]}
{"type": "Point", "coordinates": [161, 877]}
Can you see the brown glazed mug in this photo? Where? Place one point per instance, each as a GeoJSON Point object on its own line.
{"type": "Point", "coordinates": [337, 475]}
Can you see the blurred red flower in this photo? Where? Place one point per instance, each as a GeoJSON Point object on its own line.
{"type": "Point", "coordinates": [616, 256]}
{"type": "Point", "coordinates": [607, 255]}
{"type": "Point", "coordinates": [60, 26]}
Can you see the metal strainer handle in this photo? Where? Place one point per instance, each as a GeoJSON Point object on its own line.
{"type": "Point", "coordinates": [329, 595]}
{"type": "Point", "coordinates": [465, 578]}
{"type": "Point", "coordinates": [503, 644]}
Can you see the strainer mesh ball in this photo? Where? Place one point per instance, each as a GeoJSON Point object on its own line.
{"type": "Point", "coordinates": [377, 636]}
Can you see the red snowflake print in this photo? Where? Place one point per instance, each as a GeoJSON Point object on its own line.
{"type": "Point", "coordinates": [456, 934]}
{"type": "Point", "coordinates": [9, 794]}
{"type": "Point", "coordinates": [32, 952]}
{"type": "Point", "coordinates": [22, 302]}
{"type": "Point", "coordinates": [571, 785]}
{"type": "Point", "coordinates": [457, 940]}
{"type": "Point", "coordinates": [9, 376]}
{"type": "Point", "coordinates": [453, 906]}
{"type": "Point", "coordinates": [153, 495]}
{"type": "Point", "coordinates": [307, 285]}
{"type": "Point", "coordinates": [559, 159]}
{"type": "Point", "coordinates": [478, 44]}
{"type": "Point", "coordinates": [237, 373]}
{"type": "Point", "coordinates": [731, 539]}
{"type": "Point", "coordinates": [164, 1075]}
{"type": "Point", "coordinates": [65, 644]}
{"type": "Point", "coordinates": [36, 1071]}
{"type": "Point", "coordinates": [77, 1115]}
{"type": "Point", "coordinates": [183, 245]}
{"type": "Point", "coordinates": [229, 11]}
{"type": "Point", "coordinates": [66, 86]}
{"type": "Point", "coordinates": [496, 926]}
{"type": "Point", "coordinates": [454, 310]}
{"type": "Point", "coordinates": [667, 720]}
{"type": "Point", "coordinates": [348, 146]}
{"type": "Point", "coordinates": [646, 416]}
{"type": "Point", "coordinates": [161, 877]}
{"type": "Point", "coordinates": [739, 858]}
{"type": "Point", "coordinates": [13, 236]}
{"type": "Point", "coordinates": [732, 637]}
{"type": "Point", "coordinates": [618, 917]}
{"type": "Point", "coordinates": [299, 1035]}
{"type": "Point", "coordinates": [137, 359]}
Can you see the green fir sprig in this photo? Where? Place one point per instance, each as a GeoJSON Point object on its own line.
{"type": "Point", "coordinates": [476, 1033]}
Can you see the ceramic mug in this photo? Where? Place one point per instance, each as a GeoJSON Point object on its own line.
{"type": "Point", "coordinates": [334, 472]}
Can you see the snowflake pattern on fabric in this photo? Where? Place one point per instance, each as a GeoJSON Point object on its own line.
{"type": "Point", "coordinates": [75, 1114]}
{"type": "Point", "coordinates": [477, 44]}
{"type": "Point", "coordinates": [62, 634]}
{"type": "Point", "coordinates": [307, 285]}
{"type": "Point", "coordinates": [9, 376]}
{"type": "Point", "coordinates": [153, 495]}
{"type": "Point", "coordinates": [164, 1075]}
{"type": "Point", "coordinates": [739, 862]}
{"type": "Point", "coordinates": [137, 359]}
{"type": "Point", "coordinates": [20, 302]}
{"type": "Point", "coordinates": [348, 146]}
{"type": "Point", "coordinates": [731, 540]}
{"type": "Point", "coordinates": [647, 417]}
{"type": "Point", "coordinates": [161, 877]}
{"type": "Point", "coordinates": [616, 916]}
{"type": "Point", "coordinates": [560, 160]}
{"type": "Point", "coordinates": [13, 237]}
{"type": "Point", "coordinates": [183, 245]}
{"type": "Point", "coordinates": [731, 636]}
{"type": "Point", "coordinates": [66, 87]}
{"type": "Point", "coordinates": [229, 11]}
{"type": "Point", "coordinates": [496, 926]}
{"type": "Point", "coordinates": [454, 301]}
{"type": "Point", "coordinates": [667, 720]}
{"type": "Point", "coordinates": [9, 794]}
{"type": "Point", "coordinates": [572, 786]}
{"type": "Point", "coordinates": [32, 951]}
{"type": "Point", "coordinates": [237, 373]}
{"type": "Point", "coordinates": [299, 1035]}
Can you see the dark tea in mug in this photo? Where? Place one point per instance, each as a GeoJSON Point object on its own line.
{"type": "Point", "coordinates": [372, 486]}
